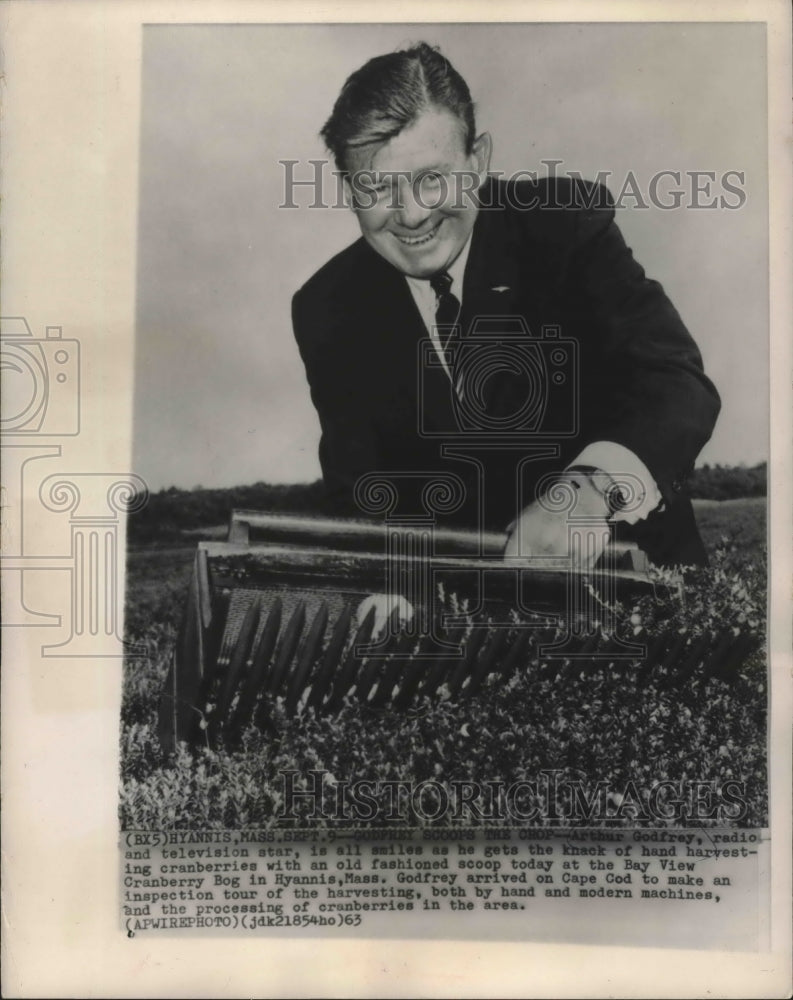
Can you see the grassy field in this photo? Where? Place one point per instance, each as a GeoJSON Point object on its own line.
{"type": "Point", "coordinates": [599, 724]}
{"type": "Point", "coordinates": [742, 523]}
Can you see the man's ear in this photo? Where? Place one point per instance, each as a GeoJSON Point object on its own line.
{"type": "Point", "coordinates": [480, 151]}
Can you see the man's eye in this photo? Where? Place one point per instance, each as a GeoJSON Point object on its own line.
{"type": "Point", "coordinates": [431, 180]}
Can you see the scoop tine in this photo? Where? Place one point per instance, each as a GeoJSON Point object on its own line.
{"type": "Point", "coordinates": [367, 677]}
{"type": "Point", "coordinates": [385, 689]}
{"type": "Point", "coordinates": [352, 662]}
{"type": "Point", "coordinates": [365, 629]}
{"type": "Point", "coordinates": [463, 668]}
{"type": "Point", "coordinates": [379, 665]}
{"type": "Point", "coordinates": [411, 678]}
{"type": "Point", "coordinates": [260, 661]}
{"type": "Point", "coordinates": [434, 676]}
{"type": "Point", "coordinates": [283, 658]}
{"type": "Point", "coordinates": [486, 663]}
{"type": "Point", "coordinates": [330, 660]}
{"type": "Point", "coordinates": [286, 651]}
{"type": "Point", "coordinates": [394, 628]}
{"type": "Point", "coordinates": [239, 658]}
{"type": "Point", "coordinates": [306, 658]}
{"type": "Point", "coordinates": [437, 671]}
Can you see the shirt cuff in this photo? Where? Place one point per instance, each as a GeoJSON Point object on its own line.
{"type": "Point", "coordinates": [616, 460]}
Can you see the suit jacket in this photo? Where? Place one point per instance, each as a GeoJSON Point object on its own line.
{"type": "Point", "coordinates": [562, 267]}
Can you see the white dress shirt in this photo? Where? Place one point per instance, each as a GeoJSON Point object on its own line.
{"type": "Point", "coordinates": [427, 302]}
{"type": "Point", "coordinates": [614, 459]}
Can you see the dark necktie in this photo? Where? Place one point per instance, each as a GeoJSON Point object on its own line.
{"type": "Point", "coordinates": [447, 312]}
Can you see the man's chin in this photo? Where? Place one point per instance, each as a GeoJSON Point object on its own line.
{"type": "Point", "coordinates": [421, 264]}
{"type": "Point", "coordinates": [426, 271]}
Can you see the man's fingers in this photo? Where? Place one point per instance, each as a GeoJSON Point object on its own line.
{"type": "Point", "coordinates": [511, 548]}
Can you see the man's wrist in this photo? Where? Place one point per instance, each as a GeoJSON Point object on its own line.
{"type": "Point", "coordinates": [640, 492]}
{"type": "Point", "coordinates": [601, 482]}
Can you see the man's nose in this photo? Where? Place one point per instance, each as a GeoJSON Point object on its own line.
{"type": "Point", "coordinates": [411, 212]}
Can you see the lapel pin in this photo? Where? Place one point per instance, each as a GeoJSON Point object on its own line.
{"type": "Point", "coordinates": [500, 288]}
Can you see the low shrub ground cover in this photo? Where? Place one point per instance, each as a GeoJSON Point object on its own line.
{"type": "Point", "coordinates": [604, 729]}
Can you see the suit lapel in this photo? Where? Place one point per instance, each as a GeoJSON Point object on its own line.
{"type": "Point", "coordinates": [398, 342]}
{"type": "Point", "coordinates": [389, 316]}
{"type": "Point", "coordinates": [495, 285]}
{"type": "Point", "coordinates": [495, 282]}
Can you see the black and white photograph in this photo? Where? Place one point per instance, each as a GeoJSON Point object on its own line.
{"type": "Point", "coordinates": [435, 572]}
{"type": "Point", "coordinates": [451, 398]}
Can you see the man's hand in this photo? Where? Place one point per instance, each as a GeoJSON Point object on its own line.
{"type": "Point", "coordinates": [542, 529]}
{"type": "Point", "coordinates": [384, 607]}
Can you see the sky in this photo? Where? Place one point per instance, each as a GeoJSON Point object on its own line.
{"type": "Point", "coordinates": [220, 392]}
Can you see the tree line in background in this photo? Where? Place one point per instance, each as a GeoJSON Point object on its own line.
{"type": "Point", "coordinates": [170, 512]}
{"type": "Point", "coordinates": [729, 482]}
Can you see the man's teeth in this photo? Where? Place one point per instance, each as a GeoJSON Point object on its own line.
{"type": "Point", "coordinates": [413, 241]}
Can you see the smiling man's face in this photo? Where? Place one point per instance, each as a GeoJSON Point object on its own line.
{"type": "Point", "coordinates": [415, 195]}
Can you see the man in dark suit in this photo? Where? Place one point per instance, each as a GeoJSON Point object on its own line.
{"type": "Point", "coordinates": [499, 331]}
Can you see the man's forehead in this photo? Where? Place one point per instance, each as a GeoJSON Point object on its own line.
{"type": "Point", "coordinates": [435, 140]}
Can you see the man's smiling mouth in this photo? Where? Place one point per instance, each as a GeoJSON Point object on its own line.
{"type": "Point", "coordinates": [416, 241]}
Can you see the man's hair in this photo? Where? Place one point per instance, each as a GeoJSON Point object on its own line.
{"type": "Point", "coordinates": [389, 93]}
